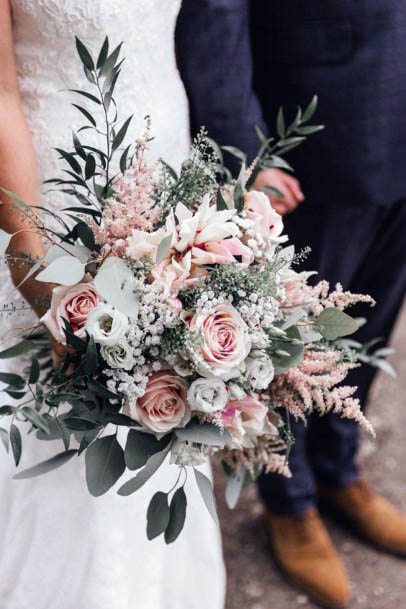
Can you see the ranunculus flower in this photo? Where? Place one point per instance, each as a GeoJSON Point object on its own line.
{"type": "Point", "coordinates": [164, 405]}
{"type": "Point", "coordinates": [259, 371]}
{"type": "Point", "coordinates": [118, 356]}
{"type": "Point", "coordinates": [107, 325]}
{"type": "Point", "coordinates": [207, 395]}
{"type": "Point", "coordinates": [245, 420]}
{"type": "Point", "coordinates": [225, 341]}
{"type": "Point", "coordinates": [267, 221]}
{"type": "Point", "coordinates": [226, 251]}
{"type": "Point", "coordinates": [72, 303]}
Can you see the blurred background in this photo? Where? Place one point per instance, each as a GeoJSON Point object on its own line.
{"type": "Point", "coordinates": [379, 580]}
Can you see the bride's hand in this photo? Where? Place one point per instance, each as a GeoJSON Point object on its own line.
{"type": "Point", "coordinates": [286, 184]}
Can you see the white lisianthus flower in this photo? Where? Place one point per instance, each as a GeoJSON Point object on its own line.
{"type": "Point", "coordinates": [207, 395]}
{"type": "Point", "coordinates": [107, 325]}
{"type": "Point", "coordinates": [259, 371]}
{"type": "Point", "coordinates": [118, 356]}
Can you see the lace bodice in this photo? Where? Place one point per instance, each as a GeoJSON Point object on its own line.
{"type": "Point", "coordinates": [47, 62]}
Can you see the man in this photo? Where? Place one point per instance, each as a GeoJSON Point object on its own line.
{"type": "Point", "coordinates": [353, 55]}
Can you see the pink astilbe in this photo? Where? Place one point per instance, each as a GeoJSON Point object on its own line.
{"type": "Point", "coordinates": [133, 205]}
{"type": "Point", "coordinates": [315, 384]}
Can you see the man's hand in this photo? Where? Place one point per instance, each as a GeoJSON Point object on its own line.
{"type": "Point", "coordinates": [287, 185]}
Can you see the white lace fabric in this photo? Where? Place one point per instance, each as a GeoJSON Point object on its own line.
{"type": "Point", "coordinates": [61, 547]}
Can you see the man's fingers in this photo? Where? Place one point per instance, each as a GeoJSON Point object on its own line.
{"type": "Point", "coordinates": [293, 186]}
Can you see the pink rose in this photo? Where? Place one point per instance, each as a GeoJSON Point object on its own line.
{"type": "Point", "coordinates": [72, 303]}
{"type": "Point", "coordinates": [246, 420]}
{"type": "Point", "coordinates": [164, 405]}
{"type": "Point", "coordinates": [267, 221]}
{"type": "Point", "coordinates": [225, 341]}
{"type": "Point", "coordinates": [226, 251]}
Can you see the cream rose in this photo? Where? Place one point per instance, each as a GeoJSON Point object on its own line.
{"type": "Point", "coordinates": [74, 304]}
{"type": "Point", "coordinates": [259, 371]}
{"type": "Point", "coordinates": [164, 405]}
{"type": "Point", "coordinates": [106, 325]}
{"type": "Point", "coordinates": [207, 395]}
{"type": "Point", "coordinates": [225, 341]}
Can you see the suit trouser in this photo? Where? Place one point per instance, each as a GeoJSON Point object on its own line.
{"type": "Point", "coordinates": [364, 249]}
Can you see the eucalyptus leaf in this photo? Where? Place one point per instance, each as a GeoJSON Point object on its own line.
{"type": "Point", "coordinates": [157, 515]}
{"type": "Point", "coordinates": [20, 348]}
{"type": "Point", "coordinates": [311, 109]}
{"type": "Point", "coordinates": [239, 154]}
{"type": "Point", "coordinates": [141, 446]}
{"type": "Point", "coordinates": [4, 438]}
{"type": "Point", "coordinates": [103, 53]}
{"type": "Point", "coordinates": [84, 54]}
{"type": "Point", "coordinates": [333, 323]}
{"type": "Point", "coordinates": [46, 466]}
{"type": "Point", "coordinates": [90, 358]}
{"type": "Point", "coordinates": [35, 418]}
{"type": "Point", "coordinates": [35, 371]}
{"type": "Point", "coordinates": [206, 491]}
{"type": "Point", "coordinates": [14, 380]}
{"type": "Point", "coordinates": [177, 515]}
{"type": "Point", "coordinates": [104, 464]}
{"type": "Point", "coordinates": [121, 134]}
{"type": "Point", "coordinates": [204, 433]}
{"type": "Point", "coordinates": [80, 424]}
{"type": "Point", "coordinates": [152, 465]}
{"type": "Point", "coordinates": [65, 270]}
{"type": "Point", "coordinates": [280, 123]}
{"type": "Point", "coordinates": [220, 201]}
{"type": "Point", "coordinates": [293, 350]}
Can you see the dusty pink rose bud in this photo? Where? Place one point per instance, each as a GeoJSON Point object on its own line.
{"type": "Point", "coordinates": [164, 405]}
{"type": "Point", "coordinates": [72, 303]}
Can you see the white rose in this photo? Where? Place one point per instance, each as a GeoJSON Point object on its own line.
{"type": "Point", "coordinates": [106, 325]}
{"type": "Point", "coordinates": [118, 356]}
{"type": "Point", "coordinates": [259, 372]}
{"type": "Point", "coordinates": [207, 395]}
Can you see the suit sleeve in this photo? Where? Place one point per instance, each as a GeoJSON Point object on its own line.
{"type": "Point", "coordinates": [214, 57]}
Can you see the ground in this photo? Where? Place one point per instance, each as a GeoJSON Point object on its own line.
{"type": "Point", "coordinates": [379, 581]}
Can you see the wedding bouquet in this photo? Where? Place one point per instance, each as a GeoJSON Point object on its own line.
{"type": "Point", "coordinates": [183, 320]}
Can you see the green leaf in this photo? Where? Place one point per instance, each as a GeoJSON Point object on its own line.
{"type": "Point", "coordinates": [104, 464]}
{"type": "Point", "coordinates": [157, 515]}
{"type": "Point", "coordinates": [309, 129]}
{"type": "Point", "coordinates": [177, 516]}
{"type": "Point", "coordinates": [79, 424]}
{"type": "Point", "coordinates": [333, 323]}
{"type": "Point", "coordinates": [86, 114]}
{"type": "Point", "coordinates": [86, 235]}
{"type": "Point", "coordinates": [35, 418]}
{"type": "Point", "coordinates": [235, 152]}
{"type": "Point", "coordinates": [15, 441]}
{"type": "Point", "coordinates": [84, 54]}
{"type": "Point", "coordinates": [170, 170]}
{"type": "Point", "coordinates": [280, 123]}
{"type": "Point", "coordinates": [220, 202]}
{"type": "Point", "coordinates": [90, 166]}
{"type": "Point", "coordinates": [141, 446]}
{"type": "Point", "coordinates": [104, 51]}
{"type": "Point", "coordinates": [204, 433]}
{"type": "Point", "coordinates": [163, 249]}
{"type": "Point", "coordinates": [6, 410]}
{"type": "Point", "coordinates": [4, 438]}
{"type": "Point", "coordinates": [294, 350]}
{"type": "Point", "coordinates": [65, 270]}
{"type": "Point", "coordinates": [90, 359]}
{"type": "Point", "coordinates": [206, 491]}
{"type": "Point", "coordinates": [70, 159]}
{"type": "Point", "coordinates": [311, 109]}
{"type": "Point", "coordinates": [19, 349]}
{"type": "Point", "coordinates": [46, 466]}
{"type": "Point", "coordinates": [123, 159]}
{"type": "Point", "coordinates": [34, 371]}
{"type": "Point", "coordinates": [100, 390]}
{"type": "Point", "coordinates": [234, 486]}
{"type": "Point", "coordinates": [121, 134]}
{"type": "Point", "coordinates": [86, 94]}
{"type": "Point", "coordinates": [110, 61]}
{"type": "Point", "coordinates": [14, 380]}
{"type": "Point", "coordinates": [152, 465]}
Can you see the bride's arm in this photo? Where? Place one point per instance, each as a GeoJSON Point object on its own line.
{"type": "Point", "coordinates": [17, 170]}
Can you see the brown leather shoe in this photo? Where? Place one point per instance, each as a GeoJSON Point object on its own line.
{"type": "Point", "coordinates": [372, 515]}
{"type": "Point", "coordinates": [304, 551]}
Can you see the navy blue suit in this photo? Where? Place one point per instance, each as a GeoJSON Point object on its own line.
{"type": "Point", "coordinates": [240, 61]}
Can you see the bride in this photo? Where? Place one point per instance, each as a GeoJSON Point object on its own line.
{"type": "Point", "coordinates": [60, 547]}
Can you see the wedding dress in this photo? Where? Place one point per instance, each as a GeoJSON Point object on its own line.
{"type": "Point", "coordinates": [60, 548]}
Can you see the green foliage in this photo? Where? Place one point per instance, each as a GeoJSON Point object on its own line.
{"type": "Point", "coordinates": [104, 464]}
{"type": "Point", "coordinates": [157, 515]}
{"type": "Point", "coordinates": [141, 446]}
{"type": "Point", "coordinates": [333, 323]}
{"type": "Point", "coordinates": [177, 516]}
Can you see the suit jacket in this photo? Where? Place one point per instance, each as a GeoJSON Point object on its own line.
{"type": "Point", "coordinates": [241, 60]}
